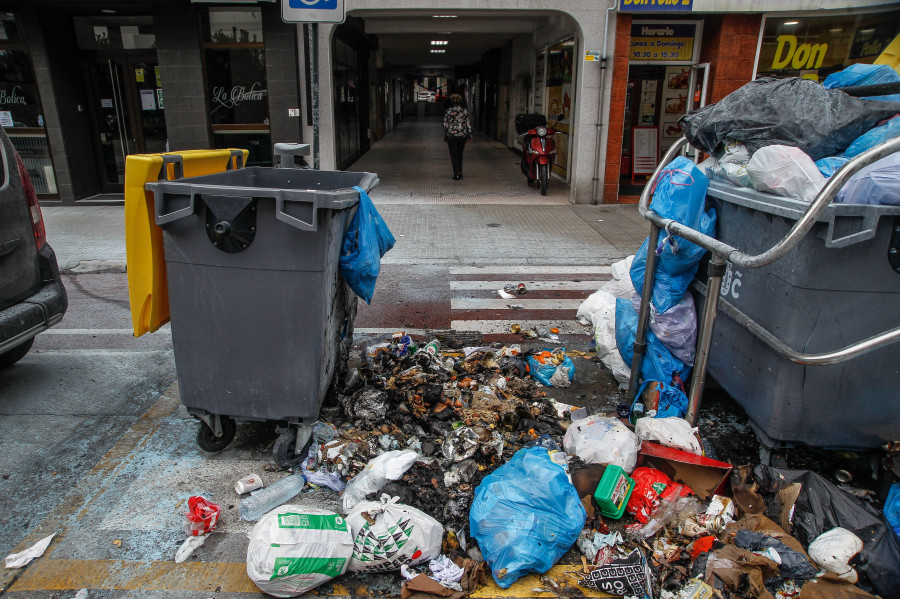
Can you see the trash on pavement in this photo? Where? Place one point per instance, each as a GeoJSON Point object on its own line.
{"type": "Point", "coordinates": [188, 547]}
{"type": "Point", "coordinates": [509, 504]}
{"type": "Point", "coordinates": [658, 364]}
{"type": "Point", "coordinates": [387, 535]}
{"type": "Point", "coordinates": [651, 487]}
{"type": "Point", "coordinates": [613, 492]}
{"type": "Point", "coordinates": [785, 171]}
{"type": "Point", "coordinates": [658, 400]}
{"type": "Point", "coordinates": [263, 500]}
{"type": "Point", "coordinates": [601, 440]}
{"type": "Point", "coordinates": [296, 548]}
{"type": "Point", "coordinates": [251, 482]}
{"type": "Point", "coordinates": [426, 587]}
{"type": "Point", "coordinates": [705, 476]}
{"type": "Point", "coordinates": [551, 368]}
{"type": "Point", "coordinates": [23, 558]}
{"type": "Point", "coordinates": [599, 310]}
{"type": "Point", "coordinates": [202, 516]}
{"type": "Point", "coordinates": [671, 432]}
{"type": "Point", "coordinates": [676, 327]}
{"type": "Point", "coordinates": [892, 507]}
{"type": "Point", "coordinates": [833, 550]}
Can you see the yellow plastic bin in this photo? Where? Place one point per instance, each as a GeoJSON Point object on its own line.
{"type": "Point", "coordinates": [147, 287]}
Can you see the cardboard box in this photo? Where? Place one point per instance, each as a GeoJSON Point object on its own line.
{"type": "Point", "coordinates": [705, 476]}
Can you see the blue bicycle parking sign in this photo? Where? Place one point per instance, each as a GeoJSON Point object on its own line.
{"type": "Point", "coordinates": [312, 11]}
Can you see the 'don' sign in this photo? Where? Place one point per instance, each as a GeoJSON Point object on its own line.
{"type": "Point", "coordinates": [804, 56]}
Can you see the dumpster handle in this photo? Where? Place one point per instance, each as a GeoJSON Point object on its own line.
{"type": "Point", "coordinates": [822, 359]}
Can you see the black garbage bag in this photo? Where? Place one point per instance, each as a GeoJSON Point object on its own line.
{"type": "Point", "coordinates": [821, 506]}
{"type": "Point", "coordinates": [791, 112]}
{"type": "Point", "coordinates": [793, 564]}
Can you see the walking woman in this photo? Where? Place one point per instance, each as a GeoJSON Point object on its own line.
{"type": "Point", "coordinates": [457, 129]}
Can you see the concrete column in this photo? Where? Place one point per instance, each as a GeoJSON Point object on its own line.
{"type": "Point", "coordinates": [282, 73]}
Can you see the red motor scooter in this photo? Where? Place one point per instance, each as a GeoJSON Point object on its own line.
{"type": "Point", "coordinates": [538, 148]}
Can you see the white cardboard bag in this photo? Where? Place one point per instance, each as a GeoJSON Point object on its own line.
{"type": "Point", "coordinates": [601, 440]}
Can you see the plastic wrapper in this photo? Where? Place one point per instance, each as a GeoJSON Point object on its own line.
{"type": "Point", "coordinates": [201, 517]}
{"type": "Point", "coordinates": [864, 74]}
{"type": "Point", "coordinates": [650, 488]}
{"type": "Point", "coordinates": [601, 440]}
{"type": "Point", "coordinates": [543, 365]}
{"type": "Point", "coordinates": [878, 183]}
{"type": "Point", "coordinates": [390, 465]}
{"type": "Point", "coordinates": [833, 550]}
{"type": "Point", "coordinates": [659, 400]}
{"type": "Point", "coordinates": [623, 577]}
{"type": "Point", "coordinates": [785, 171]}
{"type": "Point", "coordinates": [367, 240]}
{"type": "Point", "coordinates": [732, 165]}
{"type": "Point", "coordinates": [829, 166]}
{"type": "Point", "coordinates": [461, 444]}
{"type": "Point", "coordinates": [658, 364]}
{"type": "Point", "coordinates": [525, 516]}
{"type": "Point", "coordinates": [388, 534]}
{"type": "Point", "coordinates": [671, 432]}
{"type": "Point", "coordinates": [821, 506]}
{"type": "Point", "coordinates": [892, 507]}
{"type": "Point", "coordinates": [790, 112]}
{"type": "Point", "coordinates": [680, 194]}
{"type": "Point", "coordinates": [676, 327]}
{"type": "Point", "coordinates": [296, 548]}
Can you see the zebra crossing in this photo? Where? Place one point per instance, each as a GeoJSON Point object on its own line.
{"type": "Point", "coordinates": [553, 295]}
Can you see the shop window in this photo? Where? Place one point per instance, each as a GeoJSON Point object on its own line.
{"type": "Point", "coordinates": [815, 47]}
{"type": "Point", "coordinates": [560, 97]}
{"type": "Point", "coordinates": [235, 63]}
{"type": "Point", "coordinates": [21, 114]}
{"type": "Point", "coordinates": [345, 76]}
{"type": "Point", "coordinates": [114, 33]}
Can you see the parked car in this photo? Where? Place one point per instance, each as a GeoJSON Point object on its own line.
{"type": "Point", "coordinates": [32, 296]}
{"type": "Point", "coordinates": [426, 96]}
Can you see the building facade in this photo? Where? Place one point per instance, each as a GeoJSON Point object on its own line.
{"type": "Point", "coordinates": [83, 83]}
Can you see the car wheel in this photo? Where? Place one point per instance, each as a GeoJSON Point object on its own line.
{"type": "Point", "coordinates": [11, 356]}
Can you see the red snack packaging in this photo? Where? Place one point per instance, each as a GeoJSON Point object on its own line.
{"type": "Point", "coordinates": [650, 485]}
{"type": "Point", "coordinates": [202, 516]}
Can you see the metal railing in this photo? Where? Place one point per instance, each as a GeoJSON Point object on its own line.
{"type": "Point", "coordinates": [722, 253]}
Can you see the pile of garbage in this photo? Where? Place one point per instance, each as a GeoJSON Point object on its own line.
{"type": "Point", "coordinates": [789, 136]}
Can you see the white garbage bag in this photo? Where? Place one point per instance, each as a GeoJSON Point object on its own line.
{"type": "Point", "coordinates": [671, 432]}
{"type": "Point", "coordinates": [785, 171]}
{"type": "Point", "coordinates": [600, 309]}
{"type": "Point", "coordinates": [296, 548]}
{"type": "Point", "coordinates": [390, 465]}
{"type": "Point", "coordinates": [833, 550]}
{"type": "Point", "coordinates": [388, 535]}
{"type": "Point", "coordinates": [733, 164]}
{"type": "Point", "coordinates": [676, 327]}
{"type": "Point", "coordinates": [601, 440]}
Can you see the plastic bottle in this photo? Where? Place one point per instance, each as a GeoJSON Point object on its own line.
{"type": "Point", "coordinates": [265, 500]}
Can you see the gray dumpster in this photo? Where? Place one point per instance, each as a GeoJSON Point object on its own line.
{"type": "Point", "coordinates": [840, 285]}
{"type": "Point", "coordinates": [260, 314]}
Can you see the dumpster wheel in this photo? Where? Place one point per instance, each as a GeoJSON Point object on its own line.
{"type": "Point", "coordinates": [207, 439]}
{"type": "Point", "coordinates": [283, 452]}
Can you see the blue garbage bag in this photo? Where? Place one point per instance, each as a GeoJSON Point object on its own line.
{"type": "Point", "coordinates": [672, 400]}
{"type": "Point", "coordinates": [367, 240]}
{"type": "Point", "coordinates": [878, 183]}
{"type": "Point", "coordinates": [864, 74]}
{"type": "Point", "coordinates": [525, 516]}
{"type": "Point", "coordinates": [658, 364]}
{"type": "Point", "coordinates": [542, 372]}
{"type": "Point", "coordinates": [892, 508]}
{"type": "Point", "coordinates": [873, 137]}
{"type": "Point", "coordinates": [680, 195]}
{"type": "Point", "coordinates": [829, 166]}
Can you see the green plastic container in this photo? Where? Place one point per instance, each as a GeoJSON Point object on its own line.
{"type": "Point", "coordinates": [613, 492]}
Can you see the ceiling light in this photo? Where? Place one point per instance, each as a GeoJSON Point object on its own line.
{"type": "Point", "coordinates": [445, 32]}
{"type": "Point", "coordinates": [433, 51]}
{"type": "Point", "coordinates": [791, 22]}
{"type": "Point", "coordinates": [866, 31]}
{"type": "Point", "coordinates": [444, 16]}
{"type": "Point", "coordinates": [836, 30]}
{"type": "Point", "coordinates": [438, 42]}
{"type": "Point", "coordinates": [108, 11]}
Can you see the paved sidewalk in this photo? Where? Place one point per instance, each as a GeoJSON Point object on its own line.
{"type": "Point", "coordinates": [488, 217]}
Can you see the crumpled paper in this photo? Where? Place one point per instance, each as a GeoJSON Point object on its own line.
{"type": "Point", "coordinates": [19, 560]}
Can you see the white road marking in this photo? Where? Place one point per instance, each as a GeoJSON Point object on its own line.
{"type": "Point", "coordinates": [566, 327]}
{"type": "Point", "coordinates": [529, 270]}
{"type": "Point", "coordinates": [474, 303]}
{"type": "Point", "coordinates": [593, 285]}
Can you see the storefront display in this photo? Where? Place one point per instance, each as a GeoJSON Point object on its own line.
{"type": "Point", "coordinates": [560, 96]}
